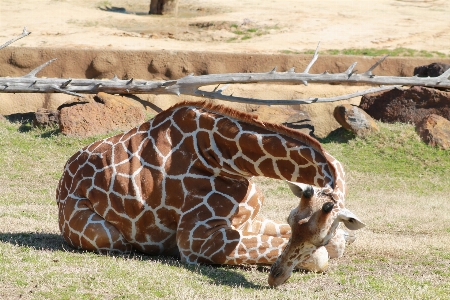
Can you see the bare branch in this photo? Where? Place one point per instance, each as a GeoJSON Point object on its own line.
{"type": "Point", "coordinates": [190, 85]}
{"type": "Point", "coordinates": [231, 98]}
{"type": "Point", "coordinates": [369, 72]}
{"type": "Point", "coordinates": [24, 34]}
{"type": "Point", "coordinates": [313, 60]}
{"type": "Point", "coordinates": [350, 71]}
{"type": "Point", "coordinates": [33, 73]}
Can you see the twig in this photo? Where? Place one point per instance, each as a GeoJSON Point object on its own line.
{"type": "Point", "coordinates": [24, 34]}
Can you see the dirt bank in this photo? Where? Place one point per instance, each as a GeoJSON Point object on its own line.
{"type": "Point", "coordinates": [166, 64]}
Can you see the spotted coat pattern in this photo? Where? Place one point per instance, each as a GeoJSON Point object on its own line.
{"type": "Point", "coordinates": [181, 184]}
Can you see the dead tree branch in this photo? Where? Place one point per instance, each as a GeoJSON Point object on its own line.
{"type": "Point", "coordinates": [190, 85]}
{"type": "Point", "coordinates": [24, 34]}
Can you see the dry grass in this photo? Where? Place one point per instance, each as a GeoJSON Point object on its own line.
{"type": "Point", "coordinates": [398, 186]}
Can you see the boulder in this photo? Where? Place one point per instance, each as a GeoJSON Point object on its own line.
{"type": "Point", "coordinates": [407, 106]}
{"type": "Point", "coordinates": [431, 70]}
{"type": "Point", "coordinates": [45, 117]}
{"type": "Point", "coordinates": [301, 121]}
{"type": "Point", "coordinates": [354, 119]}
{"type": "Point", "coordinates": [103, 114]}
{"type": "Point", "coordinates": [435, 131]}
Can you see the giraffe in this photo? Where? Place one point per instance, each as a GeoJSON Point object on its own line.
{"type": "Point", "coordinates": [181, 184]}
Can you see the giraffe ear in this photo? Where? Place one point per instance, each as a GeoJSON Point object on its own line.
{"type": "Point", "coordinates": [350, 221]}
{"type": "Point", "coordinates": [298, 189]}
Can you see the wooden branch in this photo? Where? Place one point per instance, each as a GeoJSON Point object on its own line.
{"type": "Point", "coordinates": [293, 101]}
{"type": "Point", "coordinates": [24, 34]}
{"type": "Point", "coordinates": [190, 85]}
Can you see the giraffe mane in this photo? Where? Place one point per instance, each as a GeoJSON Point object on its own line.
{"type": "Point", "coordinates": [253, 119]}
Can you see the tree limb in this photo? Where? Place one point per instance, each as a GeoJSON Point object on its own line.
{"type": "Point", "coordinates": [24, 34]}
{"type": "Point", "coordinates": [190, 85]}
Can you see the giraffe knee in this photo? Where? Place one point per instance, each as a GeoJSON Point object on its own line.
{"type": "Point", "coordinates": [317, 261]}
{"type": "Point", "coordinates": [336, 246]}
{"type": "Point", "coordinates": [84, 229]}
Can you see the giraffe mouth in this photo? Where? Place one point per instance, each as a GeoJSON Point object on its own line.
{"type": "Point", "coordinates": [275, 282]}
{"type": "Point", "coordinates": [277, 276]}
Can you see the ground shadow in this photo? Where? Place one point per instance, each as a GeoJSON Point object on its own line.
{"type": "Point", "coordinates": [41, 241]}
{"type": "Point", "coordinates": [143, 102]}
{"type": "Point", "coordinates": [304, 126]}
{"type": "Point", "coordinates": [26, 121]}
{"type": "Point", "coordinates": [122, 10]}
{"type": "Point", "coordinates": [340, 135]}
{"type": "Point", "coordinates": [27, 117]}
{"type": "Point", "coordinates": [218, 274]}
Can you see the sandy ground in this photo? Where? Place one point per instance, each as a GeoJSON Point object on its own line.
{"type": "Point", "coordinates": [232, 27]}
{"type": "Point", "coordinates": [209, 25]}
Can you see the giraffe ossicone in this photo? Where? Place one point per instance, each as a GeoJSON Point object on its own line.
{"type": "Point", "coordinates": [182, 184]}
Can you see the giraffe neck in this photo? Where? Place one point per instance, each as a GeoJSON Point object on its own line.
{"type": "Point", "coordinates": [237, 145]}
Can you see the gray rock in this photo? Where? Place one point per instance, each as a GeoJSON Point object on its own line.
{"type": "Point", "coordinates": [355, 119]}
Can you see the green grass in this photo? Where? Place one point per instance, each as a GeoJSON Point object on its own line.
{"type": "Point", "coordinates": [398, 186]}
{"type": "Point", "coordinates": [243, 33]}
{"type": "Point", "coordinates": [402, 52]}
{"type": "Point", "coordinates": [396, 148]}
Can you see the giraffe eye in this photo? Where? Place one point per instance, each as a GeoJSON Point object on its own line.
{"type": "Point", "coordinates": [327, 207]}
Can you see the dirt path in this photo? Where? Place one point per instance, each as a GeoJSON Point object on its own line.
{"type": "Point", "coordinates": [231, 26]}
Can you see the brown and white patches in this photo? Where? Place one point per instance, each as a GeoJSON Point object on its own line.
{"type": "Point", "coordinates": [182, 183]}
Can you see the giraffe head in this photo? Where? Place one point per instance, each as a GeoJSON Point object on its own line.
{"type": "Point", "coordinates": [313, 223]}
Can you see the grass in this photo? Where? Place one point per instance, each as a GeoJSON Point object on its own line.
{"type": "Point", "coordinates": [402, 52]}
{"type": "Point", "coordinates": [398, 186]}
{"type": "Point", "coordinates": [244, 33]}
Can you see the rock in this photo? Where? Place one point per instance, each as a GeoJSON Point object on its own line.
{"type": "Point", "coordinates": [301, 121]}
{"type": "Point", "coordinates": [105, 114]}
{"type": "Point", "coordinates": [354, 119]}
{"type": "Point", "coordinates": [435, 131]}
{"type": "Point", "coordinates": [407, 106]}
{"type": "Point", "coordinates": [45, 117]}
{"type": "Point", "coordinates": [291, 118]}
{"type": "Point", "coordinates": [431, 70]}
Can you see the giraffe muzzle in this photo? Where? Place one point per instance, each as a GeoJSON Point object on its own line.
{"type": "Point", "coordinates": [278, 276]}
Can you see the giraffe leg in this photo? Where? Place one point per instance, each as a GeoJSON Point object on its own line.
{"type": "Point", "coordinates": [318, 259]}
{"type": "Point", "coordinates": [336, 245]}
{"type": "Point", "coordinates": [214, 242]}
{"type": "Point", "coordinates": [84, 229]}
{"type": "Point", "coordinates": [265, 226]}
